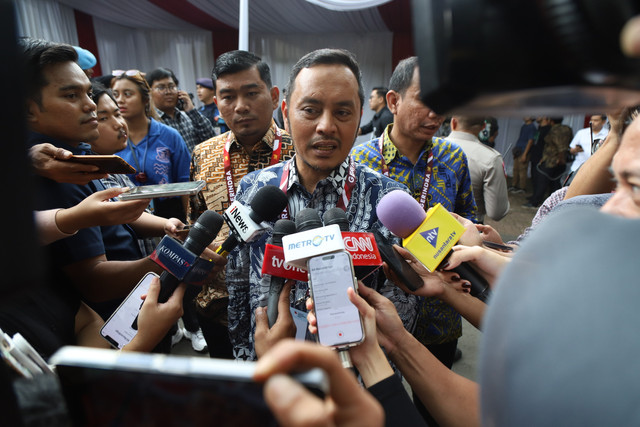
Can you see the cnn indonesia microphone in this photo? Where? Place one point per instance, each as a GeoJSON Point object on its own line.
{"type": "Point", "coordinates": [429, 236]}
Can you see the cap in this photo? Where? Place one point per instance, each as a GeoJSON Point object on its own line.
{"type": "Point", "coordinates": [208, 83]}
{"type": "Point", "coordinates": [86, 59]}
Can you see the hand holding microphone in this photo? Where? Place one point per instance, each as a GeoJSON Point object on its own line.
{"type": "Point", "coordinates": [429, 237]}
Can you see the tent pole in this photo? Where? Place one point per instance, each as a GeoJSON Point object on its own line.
{"type": "Point", "coordinates": [243, 27]}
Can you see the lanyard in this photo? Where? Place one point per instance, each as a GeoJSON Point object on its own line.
{"type": "Point", "coordinates": [343, 202]}
{"type": "Point", "coordinates": [228, 173]}
{"type": "Point", "coordinates": [427, 175]}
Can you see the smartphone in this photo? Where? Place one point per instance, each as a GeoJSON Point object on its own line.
{"type": "Point", "coordinates": [118, 330]}
{"type": "Point", "coordinates": [111, 388]}
{"type": "Point", "coordinates": [497, 246]}
{"type": "Point", "coordinates": [339, 321]}
{"type": "Point", "coordinates": [163, 190]}
{"type": "Point", "coordinates": [397, 263]}
{"type": "Point", "coordinates": [106, 163]}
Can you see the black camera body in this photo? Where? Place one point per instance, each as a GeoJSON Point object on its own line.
{"type": "Point", "coordinates": [505, 57]}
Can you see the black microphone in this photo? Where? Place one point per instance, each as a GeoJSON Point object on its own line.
{"type": "Point", "coordinates": [205, 229]}
{"type": "Point", "coordinates": [307, 219]}
{"type": "Point", "coordinates": [282, 227]}
{"type": "Point", "coordinates": [244, 222]}
{"type": "Point", "coordinates": [336, 216]}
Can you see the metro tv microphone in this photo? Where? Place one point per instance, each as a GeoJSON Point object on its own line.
{"type": "Point", "coordinates": [282, 227]}
{"type": "Point", "coordinates": [202, 233]}
{"type": "Point", "coordinates": [428, 236]}
{"type": "Point", "coordinates": [245, 223]}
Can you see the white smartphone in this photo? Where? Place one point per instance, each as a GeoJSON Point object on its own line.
{"type": "Point", "coordinates": [339, 321]}
{"type": "Point", "coordinates": [163, 190]}
{"type": "Point", "coordinates": [118, 330]}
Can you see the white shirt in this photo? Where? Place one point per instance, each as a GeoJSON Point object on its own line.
{"type": "Point", "coordinates": [583, 138]}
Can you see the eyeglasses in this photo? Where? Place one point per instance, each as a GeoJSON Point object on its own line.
{"type": "Point", "coordinates": [165, 89]}
{"type": "Point", "coordinates": [130, 73]}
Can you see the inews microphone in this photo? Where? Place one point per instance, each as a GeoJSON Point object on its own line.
{"type": "Point", "coordinates": [428, 236]}
{"type": "Point", "coordinates": [282, 227]}
{"type": "Point", "coordinates": [245, 222]}
{"type": "Point", "coordinates": [361, 245]}
{"type": "Point", "coordinates": [202, 233]}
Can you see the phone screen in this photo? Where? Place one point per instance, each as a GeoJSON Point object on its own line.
{"type": "Point", "coordinates": [117, 330]}
{"type": "Point", "coordinates": [339, 322]}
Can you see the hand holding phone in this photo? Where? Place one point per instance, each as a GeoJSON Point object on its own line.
{"type": "Point", "coordinates": [338, 321]}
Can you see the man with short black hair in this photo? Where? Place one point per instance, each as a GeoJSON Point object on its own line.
{"type": "Point", "coordinates": [322, 109]}
{"type": "Point", "coordinates": [436, 171]}
{"type": "Point", "coordinates": [246, 99]}
{"type": "Point", "coordinates": [382, 116]}
{"type": "Point", "coordinates": [209, 109]}
{"type": "Point", "coordinates": [176, 109]}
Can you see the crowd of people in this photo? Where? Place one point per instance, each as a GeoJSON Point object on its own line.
{"type": "Point", "coordinates": [557, 328]}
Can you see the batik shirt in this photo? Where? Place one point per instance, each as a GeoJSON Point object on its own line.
{"type": "Point", "coordinates": [207, 164]}
{"type": "Point", "coordinates": [450, 186]}
{"type": "Point", "coordinates": [244, 264]}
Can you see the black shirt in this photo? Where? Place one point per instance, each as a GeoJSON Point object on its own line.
{"type": "Point", "coordinates": [378, 123]}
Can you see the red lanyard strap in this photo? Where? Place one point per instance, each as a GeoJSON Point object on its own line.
{"type": "Point", "coordinates": [343, 202]}
{"type": "Point", "coordinates": [228, 173]}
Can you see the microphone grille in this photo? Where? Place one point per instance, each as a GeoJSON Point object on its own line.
{"type": "Point", "coordinates": [268, 203]}
{"type": "Point", "coordinates": [308, 219]}
{"type": "Point", "coordinates": [336, 216]}
{"type": "Point", "coordinates": [400, 213]}
{"type": "Point", "coordinates": [282, 227]}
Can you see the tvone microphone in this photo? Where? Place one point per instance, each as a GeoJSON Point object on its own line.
{"type": "Point", "coordinates": [202, 233]}
{"type": "Point", "coordinates": [428, 236]}
{"type": "Point", "coordinates": [245, 223]}
{"type": "Point", "coordinates": [282, 227]}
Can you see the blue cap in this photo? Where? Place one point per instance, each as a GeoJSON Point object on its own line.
{"type": "Point", "coordinates": [86, 59]}
{"type": "Point", "coordinates": [208, 83]}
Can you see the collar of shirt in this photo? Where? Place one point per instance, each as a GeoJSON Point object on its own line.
{"type": "Point", "coordinates": [165, 116]}
{"type": "Point", "coordinates": [456, 134]}
{"type": "Point", "coordinates": [266, 140]}
{"type": "Point", "coordinates": [34, 138]}
{"type": "Point", "coordinates": [390, 151]}
{"type": "Point", "coordinates": [336, 178]}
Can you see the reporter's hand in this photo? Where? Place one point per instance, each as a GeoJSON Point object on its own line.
{"type": "Point", "coordinates": [489, 263]}
{"type": "Point", "coordinates": [98, 210]}
{"type": "Point", "coordinates": [489, 234]}
{"type": "Point", "coordinates": [172, 226]}
{"type": "Point", "coordinates": [284, 326]}
{"type": "Point", "coordinates": [219, 260]}
{"type": "Point", "coordinates": [155, 319]}
{"type": "Point", "coordinates": [293, 405]}
{"type": "Point", "coordinates": [471, 235]}
{"type": "Point", "coordinates": [50, 161]}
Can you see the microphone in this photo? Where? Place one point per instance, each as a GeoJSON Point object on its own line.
{"type": "Point", "coordinates": [282, 227]}
{"type": "Point", "coordinates": [428, 236]}
{"type": "Point", "coordinates": [177, 258]}
{"type": "Point", "coordinates": [362, 246]}
{"type": "Point", "coordinates": [307, 219]}
{"type": "Point", "coordinates": [245, 222]}
{"type": "Point", "coordinates": [202, 233]}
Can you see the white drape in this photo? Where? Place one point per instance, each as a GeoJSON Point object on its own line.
{"type": "Point", "coordinates": [46, 19]}
{"type": "Point", "coordinates": [188, 53]}
{"type": "Point", "coordinates": [373, 52]}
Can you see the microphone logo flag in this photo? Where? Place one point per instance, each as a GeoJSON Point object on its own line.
{"type": "Point", "coordinates": [431, 236]}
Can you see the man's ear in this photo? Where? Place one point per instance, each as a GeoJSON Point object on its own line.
{"type": "Point", "coordinates": [275, 97]}
{"type": "Point", "coordinates": [33, 111]}
{"type": "Point", "coordinates": [454, 123]}
{"type": "Point", "coordinates": [393, 99]}
{"type": "Point", "coordinates": [215, 99]}
{"type": "Point", "coordinates": [285, 115]}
